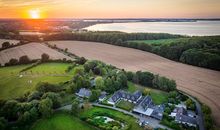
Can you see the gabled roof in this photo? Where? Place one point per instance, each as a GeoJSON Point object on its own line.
{"type": "Point", "coordinates": [126, 95]}
{"type": "Point", "coordinates": [103, 95]}
{"type": "Point", "coordinates": [158, 112]}
{"type": "Point", "coordinates": [185, 118]}
{"type": "Point", "coordinates": [180, 110]}
{"type": "Point", "coordinates": [147, 102]}
{"type": "Point", "coordinates": [83, 92]}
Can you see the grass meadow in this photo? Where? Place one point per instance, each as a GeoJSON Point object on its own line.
{"type": "Point", "coordinates": [14, 84]}
{"type": "Point", "coordinates": [61, 121]}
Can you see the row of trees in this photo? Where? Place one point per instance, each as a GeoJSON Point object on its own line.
{"type": "Point", "coordinates": [150, 80]}
{"type": "Point", "coordinates": [116, 38]}
{"type": "Point", "coordinates": [6, 45]}
{"type": "Point", "coordinates": [26, 60]}
{"type": "Point", "coordinates": [198, 51]}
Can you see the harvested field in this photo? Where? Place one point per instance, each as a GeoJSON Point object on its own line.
{"type": "Point", "coordinates": [10, 41]}
{"type": "Point", "coordinates": [198, 82]}
{"type": "Point", "coordinates": [32, 50]}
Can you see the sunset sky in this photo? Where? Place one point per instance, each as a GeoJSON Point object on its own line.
{"type": "Point", "coordinates": [109, 8]}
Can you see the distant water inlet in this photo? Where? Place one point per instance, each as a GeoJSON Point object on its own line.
{"type": "Point", "coordinates": [199, 28]}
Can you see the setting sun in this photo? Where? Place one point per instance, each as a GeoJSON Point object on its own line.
{"type": "Point", "coordinates": [34, 14]}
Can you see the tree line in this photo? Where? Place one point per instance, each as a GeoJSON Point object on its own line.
{"type": "Point", "coordinates": [199, 51]}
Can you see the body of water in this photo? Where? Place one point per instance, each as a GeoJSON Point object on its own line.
{"type": "Point", "coordinates": [199, 28]}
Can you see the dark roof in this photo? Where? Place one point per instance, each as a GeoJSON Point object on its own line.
{"type": "Point", "coordinates": [83, 92]}
{"type": "Point", "coordinates": [158, 112]}
{"type": "Point", "coordinates": [180, 110]}
{"type": "Point", "coordinates": [147, 103]}
{"type": "Point", "coordinates": [137, 94]}
{"type": "Point", "coordinates": [116, 96]}
{"type": "Point", "coordinates": [157, 115]}
{"type": "Point", "coordinates": [185, 118]}
{"type": "Point", "coordinates": [103, 95]}
{"type": "Point", "coordinates": [126, 95]}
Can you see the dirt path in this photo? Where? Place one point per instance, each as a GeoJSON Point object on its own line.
{"type": "Point", "coordinates": [198, 82]}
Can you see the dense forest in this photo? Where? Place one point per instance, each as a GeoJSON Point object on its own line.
{"type": "Point", "coordinates": [199, 51]}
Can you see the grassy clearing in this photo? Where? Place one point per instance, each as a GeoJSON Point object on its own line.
{"type": "Point", "coordinates": [128, 106]}
{"type": "Point", "coordinates": [157, 96]}
{"type": "Point", "coordinates": [49, 68]}
{"type": "Point", "coordinates": [61, 121]}
{"type": "Point", "coordinates": [134, 87]}
{"type": "Point", "coordinates": [12, 84]}
{"type": "Point", "coordinates": [160, 41]}
{"type": "Point", "coordinates": [130, 120]}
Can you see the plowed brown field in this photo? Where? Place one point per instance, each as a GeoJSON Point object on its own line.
{"type": "Point", "coordinates": [32, 50]}
{"type": "Point", "coordinates": [198, 82]}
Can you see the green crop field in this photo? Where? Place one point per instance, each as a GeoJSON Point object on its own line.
{"type": "Point", "coordinates": [14, 84]}
{"type": "Point", "coordinates": [61, 121]}
{"type": "Point", "coordinates": [129, 119]}
{"type": "Point", "coordinates": [157, 96]}
{"type": "Point", "coordinates": [160, 41]}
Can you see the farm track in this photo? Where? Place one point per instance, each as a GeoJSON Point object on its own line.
{"type": "Point", "coordinates": [32, 50]}
{"type": "Point", "coordinates": [201, 83]}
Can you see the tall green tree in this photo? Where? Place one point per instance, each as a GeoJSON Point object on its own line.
{"type": "Point", "coordinates": [45, 107]}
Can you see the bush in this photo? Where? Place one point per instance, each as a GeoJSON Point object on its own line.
{"type": "Point", "coordinates": [24, 60]}
{"type": "Point", "coordinates": [45, 57]}
{"type": "Point", "coordinates": [6, 45]}
{"type": "Point", "coordinates": [47, 87]}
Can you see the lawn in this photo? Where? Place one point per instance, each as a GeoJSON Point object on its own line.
{"type": "Point", "coordinates": [129, 119]}
{"type": "Point", "coordinates": [160, 41]}
{"type": "Point", "coordinates": [134, 87]}
{"type": "Point", "coordinates": [157, 96]}
{"type": "Point", "coordinates": [14, 84]}
{"type": "Point", "coordinates": [61, 121]}
{"type": "Point", "coordinates": [128, 106]}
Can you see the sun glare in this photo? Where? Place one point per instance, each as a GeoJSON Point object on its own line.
{"type": "Point", "coordinates": [34, 14]}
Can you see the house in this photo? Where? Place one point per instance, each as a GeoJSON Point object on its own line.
{"type": "Point", "coordinates": [185, 119]}
{"type": "Point", "coordinates": [147, 108]}
{"type": "Point", "coordinates": [103, 96]}
{"type": "Point", "coordinates": [158, 112]}
{"type": "Point", "coordinates": [120, 94]}
{"type": "Point", "coordinates": [183, 116]}
{"type": "Point", "coordinates": [83, 92]}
